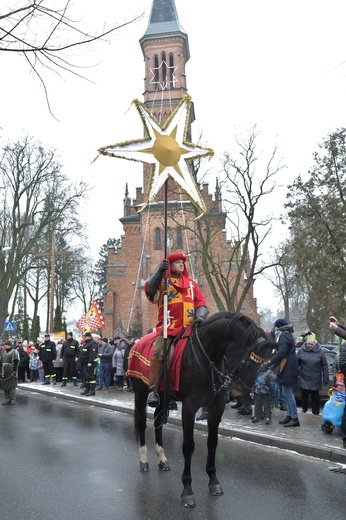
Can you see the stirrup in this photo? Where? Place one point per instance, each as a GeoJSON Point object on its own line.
{"type": "Point", "coordinates": [153, 399]}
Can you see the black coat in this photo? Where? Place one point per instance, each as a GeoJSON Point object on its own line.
{"type": "Point", "coordinates": [313, 367]}
{"type": "Point", "coordinates": [88, 352]}
{"type": "Point", "coordinates": [47, 351]}
{"type": "Point", "coordinates": [286, 349]}
{"type": "Point", "coordinates": [70, 349]}
{"type": "Point", "coordinates": [23, 357]}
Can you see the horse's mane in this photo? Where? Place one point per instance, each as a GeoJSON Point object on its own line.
{"type": "Point", "coordinates": [251, 333]}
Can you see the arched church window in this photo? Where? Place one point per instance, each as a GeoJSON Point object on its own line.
{"type": "Point", "coordinates": [156, 68]}
{"type": "Point", "coordinates": [171, 69]}
{"type": "Point", "coordinates": [158, 242]}
{"type": "Point", "coordinates": [164, 70]}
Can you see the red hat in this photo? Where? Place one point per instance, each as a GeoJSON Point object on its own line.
{"type": "Point", "coordinates": [176, 256]}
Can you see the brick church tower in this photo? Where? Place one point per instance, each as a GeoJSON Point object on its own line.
{"type": "Point", "coordinates": [165, 50]}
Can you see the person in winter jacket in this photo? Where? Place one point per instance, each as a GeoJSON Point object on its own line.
{"type": "Point", "coordinates": [288, 377]}
{"type": "Point", "coordinates": [69, 354]}
{"type": "Point", "coordinates": [8, 372]}
{"type": "Point", "coordinates": [340, 330]}
{"type": "Point", "coordinates": [105, 354]}
{"type": "Point", "coordinates": [33, 364]}
{"type": "Point", "coordinates": [23, 363]}
{"type": "Point", "coordinates": [118, 362]}
{"type": "Point", "coordinates": [313, 367]}
{"type": "Point", "coordinates": [47, 354]}
{"type": "Point", "coordinates": [88, 360]}
{"type": "Point", "coordinates": [261, 391]}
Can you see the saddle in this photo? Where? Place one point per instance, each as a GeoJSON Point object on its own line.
{"type": "Point", "coordinates": [142, 353]}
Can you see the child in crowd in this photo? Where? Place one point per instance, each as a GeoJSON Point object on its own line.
{"type": "Point", "coordinates": [33, 364]}
{"type": "Point", "coordinates": [41, 371]}
{"type": "Point", "coordinates": [261, 390]}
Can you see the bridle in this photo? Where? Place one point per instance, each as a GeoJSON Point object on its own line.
{"type": "Point", "coordinates": [220, 380]}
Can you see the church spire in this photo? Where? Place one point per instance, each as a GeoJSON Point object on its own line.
{"type": "Point", "coordinates": [164, 22]}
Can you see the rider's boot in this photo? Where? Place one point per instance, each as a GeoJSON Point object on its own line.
{"type": "Point", "coordinates": [155, 367]}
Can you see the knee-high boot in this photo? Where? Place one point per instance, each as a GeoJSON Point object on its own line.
{"type": "Point", "coordinates": [86, 389]}
{"type": "Point", "coordinates": [155, 367]}
{"type": "Point", "coordinates": [91, 391]}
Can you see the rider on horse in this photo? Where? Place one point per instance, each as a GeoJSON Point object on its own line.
{"type": "Point", "coordinates": [185, 305]}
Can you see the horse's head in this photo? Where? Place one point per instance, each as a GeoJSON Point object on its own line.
{"type": "Point", "coordinates": [253, 348]}
{"type": "Point", "coordinates": [231, 337]}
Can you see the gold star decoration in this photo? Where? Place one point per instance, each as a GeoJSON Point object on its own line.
{"type": "Point", "coordinates": [167, 150]}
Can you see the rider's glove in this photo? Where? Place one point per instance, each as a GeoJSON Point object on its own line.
{"type": "Point", "coordinates": [164, 266]}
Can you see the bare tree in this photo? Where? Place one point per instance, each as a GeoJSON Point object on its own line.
{"type": "Point", "coordinates": [35, 200]}
{"type": "Point", "coordinates": [230, 277]}
{"type": "Point", "coordinates": [85, 284]}
{"type": "Point", "coordinates": [45, 37]}
{"type": "Point", "coordinates": [245, 189]}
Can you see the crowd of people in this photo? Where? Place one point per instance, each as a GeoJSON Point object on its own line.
{"type": "Point", "coordinates": [95, 363]}
{"type": "Point", "coordinates": [99, 363]}
{"type": "Point", "coordinates": [293, 364]}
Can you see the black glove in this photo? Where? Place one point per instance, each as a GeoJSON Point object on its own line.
{"type": "Point", "coordinates": [201, 314]}
{"type": "Point", "coordinates": [164, 266]}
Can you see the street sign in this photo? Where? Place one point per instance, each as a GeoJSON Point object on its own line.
{"type": "Point", "coordinates": [9, 326]}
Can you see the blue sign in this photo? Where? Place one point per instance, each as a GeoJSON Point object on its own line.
{"type": "Point", "coordinates": [9, 326]}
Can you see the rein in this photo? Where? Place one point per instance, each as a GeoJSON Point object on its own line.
{"type": "Point", "coordinates": [216, 376]}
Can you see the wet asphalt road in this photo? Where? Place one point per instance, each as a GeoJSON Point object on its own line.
{"type": "Point", "coordinates": [62, 460]}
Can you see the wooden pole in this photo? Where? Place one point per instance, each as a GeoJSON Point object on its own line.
{"type": "Point", "coordinates": [165, 317]}
{"type": "Point", "coordinates": [52, 254]}
{"type": "Point", "coordinates": [52, 276]}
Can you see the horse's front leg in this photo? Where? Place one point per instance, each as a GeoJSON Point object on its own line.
{"type": "Point", "coordinates": [188, 420]}
{"type": "Point", "coordinates": [158, 425]}
{"type": "Point", "coordinates": [215, 412]}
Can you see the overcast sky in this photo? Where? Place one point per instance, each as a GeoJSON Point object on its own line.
{"type": "Point", "coordinates": [280, 65]}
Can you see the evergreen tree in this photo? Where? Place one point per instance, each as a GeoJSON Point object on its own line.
{"type": "Point", "coordinates": [57, 325]}
{"type": "Point", "coordinates": [25, 331]}
{"type": "Point", "coordinates": [35, 328]}
{"type": "Point", "coordinates": [317, 209]}
{"type": "Point", "coordinates": [99, 272]}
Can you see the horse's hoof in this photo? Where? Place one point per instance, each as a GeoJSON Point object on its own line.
{"type": "Point", "coordinates": [216, 490]}
{"type": "Point", "coordinates": [164, 466]}
{"type": "Point", "coordinates": [188, 501]}
{"type": "Point", "coordinates": [143, 467]}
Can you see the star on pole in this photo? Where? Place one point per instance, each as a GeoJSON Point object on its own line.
{"type": "Point", "coordinates": [167, 150]}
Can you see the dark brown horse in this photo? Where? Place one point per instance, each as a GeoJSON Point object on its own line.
{"type": "Point", "coordinates": [223, 353]}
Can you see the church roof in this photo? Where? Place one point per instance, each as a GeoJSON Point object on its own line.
{"type": "Point", "coordinates": [164, 22]}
